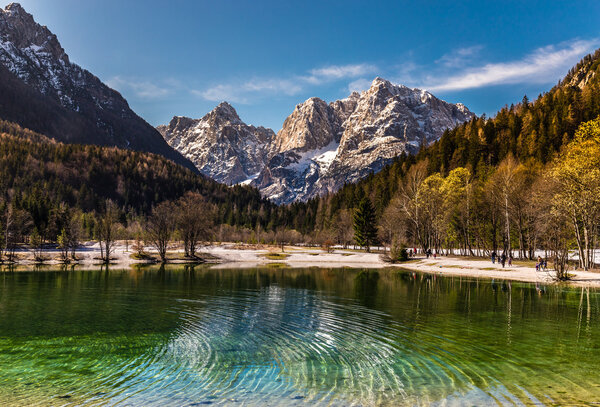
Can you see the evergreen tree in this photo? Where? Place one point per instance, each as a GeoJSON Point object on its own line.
{"type": "Point", "coordinates": [365, 232]}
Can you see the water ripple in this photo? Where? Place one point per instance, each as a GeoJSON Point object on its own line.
{"type": "Point", "coordinates": [288, 346]}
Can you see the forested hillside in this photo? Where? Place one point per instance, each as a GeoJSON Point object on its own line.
{"type": "Point", "coordinates": [39, 175]}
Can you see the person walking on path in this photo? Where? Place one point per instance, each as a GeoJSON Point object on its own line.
{"type": "Point", "coordinates": [509, 261]}
{"type": "Point", "coordinates": [503, 259]}
{"type": "Point", "coordinates": [493, 257]}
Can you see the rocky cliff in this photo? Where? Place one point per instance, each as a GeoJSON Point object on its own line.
{"type": "Point", "coordinates": [321, 145]}
{"type": "Point", "coordinates": [220, 145]}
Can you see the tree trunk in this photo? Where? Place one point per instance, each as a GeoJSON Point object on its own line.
{"type": "Point", "coordinates": [507, 220]}
{"type": "Point", "coordinates": [578, 238]}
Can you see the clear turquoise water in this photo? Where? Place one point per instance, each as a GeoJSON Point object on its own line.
{"type": "Point", "coordinates": [191, 337]}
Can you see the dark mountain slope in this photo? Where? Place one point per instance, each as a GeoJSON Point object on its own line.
{"type": "Point", "coordinates": [42, 90]}
{"type": "Point", "coordinates": [38, 174]}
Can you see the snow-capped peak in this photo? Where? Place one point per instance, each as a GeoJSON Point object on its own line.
{"type": "Point", "coordinates": [75, 105]}
{"type": "Point", "coordinates": [226, 111]}
{"type": "Point", "coordinates": [220, 145]}
{"type": "Point", "coordinates": [320, 146]}
{"type": "Point", "coordinates": [14, 8]}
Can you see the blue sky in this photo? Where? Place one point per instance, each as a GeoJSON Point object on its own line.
{"type": "Point", "coordinates": [183, 57]}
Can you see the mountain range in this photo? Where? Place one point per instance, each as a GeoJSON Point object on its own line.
{"type": "Point", "coordinates": [321, 145]}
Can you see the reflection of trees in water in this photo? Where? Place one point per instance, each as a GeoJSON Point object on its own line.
{"type": "Point", "coordinates": [102, 301]}
{"type": "Point", "coordinates": [585, 308]}
{"type": "Point", "coordinates": [365, 287]}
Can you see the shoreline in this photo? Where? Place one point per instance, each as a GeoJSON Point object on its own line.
{"type": "Point", "coordinates": [231, 255]}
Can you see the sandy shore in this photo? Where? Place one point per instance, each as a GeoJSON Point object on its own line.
{"type": "Point", "coordinates": [244, 256]}
{"type": "Point", "coordinates": [452, 266]}
{"type": "Point", "coordinates": [474, 267]}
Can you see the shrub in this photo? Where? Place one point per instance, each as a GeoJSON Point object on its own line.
{"type": "Point", "coordinates": [327, 246]}
{"type": "Point", "coordinates": [398, 254]}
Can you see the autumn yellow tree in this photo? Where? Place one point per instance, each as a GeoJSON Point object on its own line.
{"type": "Point", "coordinates": [503, 188]}
{"type": "Point", "coordinates": [577, 174]}
{"type": "Point", "coordinates": [431, 202]}
{"type": "Point", "coordinates": [409, 202]}
{"type": "Point", "coordinates": [457, 191]}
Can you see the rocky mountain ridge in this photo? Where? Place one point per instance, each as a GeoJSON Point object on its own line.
{"type": "Point", "coordinates": [41, 89]}
{"type": "Point", "coordinates": [220, 144]}
{"type": "Point", "coordinates": [321, 145]}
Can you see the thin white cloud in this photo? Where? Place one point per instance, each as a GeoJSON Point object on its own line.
{"type": "Point", "coordinates": [544, 65]}
{"type": "Point", "coordinates": [454, 71]}
{"type": "Point", "coordinates": [338, 72]}
{"type": "Point", "coordinates": [359, 85]}
{"type": "Point", "coordinates": [220, 93]}
{"type": "Point", "coordinates": [289, 87]}
{"type": "Point", "coordinates": [459, 57]}
{"type": "Point", "coordinates": [141, 88]}
{"type": "Point", "coordinates": [242, 92]}
{"type": "Point", "coordinates": [407, 73]}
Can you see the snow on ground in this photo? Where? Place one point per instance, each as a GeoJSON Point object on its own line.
{"type": "Point", "coordinates": [233, 256]}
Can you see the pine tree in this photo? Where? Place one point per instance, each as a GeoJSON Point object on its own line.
{"type": "Point", "coordinates": [365, 232]}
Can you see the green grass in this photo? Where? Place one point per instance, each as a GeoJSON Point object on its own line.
{"type": "Point", "coordinates": [456, 266]}
{"type": "Point", "coordinates": [141, 256]}
{"type": "Point", "coordinates": [277, 265]}
{"type": "Point", "coordinates": [525, 263]}
{"type": "Point", "coordinates": [180, 256]}
{"type": "Point", "coordinates": [276, 256]}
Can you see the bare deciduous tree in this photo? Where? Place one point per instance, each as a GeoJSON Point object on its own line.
{"type": "Point", "coordinates": [161, 226]}
{"type": "Point", "coordinates": [107, 229]}
{"type": "Point", "coordinates": [16, 225]}
{"type": "Point", "coordinates": [195, 219]}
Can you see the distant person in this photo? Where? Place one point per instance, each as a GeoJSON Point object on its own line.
{"type": "Point", "coordinates": [509, 261]}
{"type": "Point", "coordinates": [493, 257]}
{"type": "Point", "coordinates": [503, 259]}
{"type": "Point", "coordinates": [545, 264]}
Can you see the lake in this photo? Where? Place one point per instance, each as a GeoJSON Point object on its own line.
{"type": "Point", "coordinates": [185, 336]}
